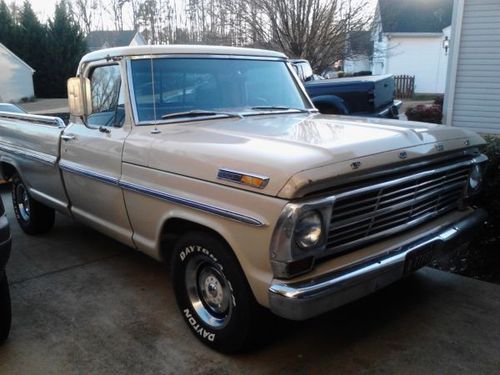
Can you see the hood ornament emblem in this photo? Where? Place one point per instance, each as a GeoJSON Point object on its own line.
{"type": "Point", "coordinates": [403, 155]}
{"type": "Point", "coordinates": [439, 147]}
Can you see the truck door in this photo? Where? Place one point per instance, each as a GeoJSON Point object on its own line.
{"type": "Point", "coordinates": [91, 156]}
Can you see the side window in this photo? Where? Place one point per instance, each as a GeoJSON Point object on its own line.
{"type": "Point", "coordinates": [107, 97]}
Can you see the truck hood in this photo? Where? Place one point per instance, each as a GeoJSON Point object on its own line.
{"type": "Point", "coordinates": [281, 146]}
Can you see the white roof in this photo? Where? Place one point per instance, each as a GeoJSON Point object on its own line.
{"type": "Point", "coordinates": [16, 57]}
{"type": "Point", "coordinates": [178, 49]}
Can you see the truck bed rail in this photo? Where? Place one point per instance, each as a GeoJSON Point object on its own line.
{"type": "Point", "coordinates": [36, 119]}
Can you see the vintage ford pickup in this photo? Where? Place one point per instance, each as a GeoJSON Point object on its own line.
{"type": "Point", "coordinates": [214, 159]}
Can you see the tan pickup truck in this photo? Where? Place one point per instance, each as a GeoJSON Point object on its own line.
{"type": "Point", "coordinates": [215, 160]}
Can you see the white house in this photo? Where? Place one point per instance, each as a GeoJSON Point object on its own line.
{"type": "Point", "coordinates": [106, 39]}
{"type": "Point", "coordinates": [472, 98]}
{"type": "Point", "coordinates": [16, 77]}
{"type": "Point", "coordinates": [359, 52]}
{"type": "Point", "coordinates": [411, 37]}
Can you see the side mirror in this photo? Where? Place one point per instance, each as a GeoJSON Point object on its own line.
{"type": "Point", "coordinates": [79, 98]}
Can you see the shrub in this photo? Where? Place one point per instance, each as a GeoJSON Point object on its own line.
{"type": "Point", "coordinates": [425, 113]}
{"type": "Point", "coordinates": [438, 100]}
{"type": "Point", "coordinates": [481, 259]}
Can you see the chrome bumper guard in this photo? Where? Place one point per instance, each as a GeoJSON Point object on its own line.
{"type": "Point", "coordinates": [305, 299]}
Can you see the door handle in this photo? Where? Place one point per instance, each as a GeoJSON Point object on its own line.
{"type": "Point", "coordinates": [68, 137]}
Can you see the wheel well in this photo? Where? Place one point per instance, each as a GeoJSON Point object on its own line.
{"type": "Point", "coordinates": [328, 108]}
{"type": "Point", "coordinates": [175, 228]}
{"type": "Point", "coordinates": [7, 170]}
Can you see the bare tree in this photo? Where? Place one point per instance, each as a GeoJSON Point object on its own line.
{"type": "Point", "coordinates": [316, 30]}
{"type": "Point", "coordinates": [87, 13]}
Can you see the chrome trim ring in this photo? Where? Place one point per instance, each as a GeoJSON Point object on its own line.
{"type": "Point", "coordinates": [208, 291]}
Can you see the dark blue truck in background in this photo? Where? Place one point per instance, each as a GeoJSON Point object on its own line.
{"type": "Point", "coordinates": [371, 96]}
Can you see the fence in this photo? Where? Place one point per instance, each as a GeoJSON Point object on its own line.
{"type": "Point", "coordinates": [404, 86]}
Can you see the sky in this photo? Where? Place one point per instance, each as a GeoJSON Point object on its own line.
{"type": "Point", "coordinates": [45, 8]}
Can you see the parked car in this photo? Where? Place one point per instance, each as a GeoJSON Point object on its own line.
{"type": "Point", "coordinates": [8, 107]}
{"type": "Point", "coordinates": [369, 96]}
{"type": "Point", "coordinates": [225, 169]}
{"type": "Point", "coordinates": [5, 310]}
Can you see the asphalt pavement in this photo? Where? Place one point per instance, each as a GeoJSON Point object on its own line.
{"type": "Point", "coordinates": [83, 303]}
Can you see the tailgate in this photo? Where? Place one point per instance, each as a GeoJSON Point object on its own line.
{"type": "Point", "coordinates": [384, 91]}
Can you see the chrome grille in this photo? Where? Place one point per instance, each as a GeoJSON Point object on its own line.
{"type": "Point", "coordinates": [367, 213]}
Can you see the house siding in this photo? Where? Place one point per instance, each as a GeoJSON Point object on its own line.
{"type": "Point", "coordinates": [422, 57]}
{"type": "Point", "coordinates": [476, 96]}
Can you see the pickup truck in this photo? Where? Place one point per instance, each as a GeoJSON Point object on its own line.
{"type": "Point", "coordinates": [369, 96]}
{"type": "Point", "coordinates": [215, 160]}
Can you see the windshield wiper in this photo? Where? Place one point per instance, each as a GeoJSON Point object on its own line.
{"type": "Point", "coordinates": [282, 108]}
{"type": "Point", "coordinates": [199, 113]}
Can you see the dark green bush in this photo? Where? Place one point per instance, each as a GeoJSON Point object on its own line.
{"type": "Point", "coordinates": [439, 100]}
{"type": "Point", "coordinates": [425, 113]}
{"type": "Point", "coordinates": [481, 259]}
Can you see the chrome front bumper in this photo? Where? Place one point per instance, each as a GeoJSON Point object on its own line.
{"type": "Point", "coordinates": [305, 299]}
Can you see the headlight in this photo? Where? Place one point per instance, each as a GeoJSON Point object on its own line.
{"type": "Point", "coordinates": [308, 230]}
{"type": "Point", "coordinates": [475, 180]}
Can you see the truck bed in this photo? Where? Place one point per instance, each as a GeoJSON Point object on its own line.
{"type": "Point", "coordinates": [32, 144]}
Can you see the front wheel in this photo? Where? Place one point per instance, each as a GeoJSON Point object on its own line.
{"type": "Point", "coordinates": [212, 293]}
{"type": "Point", "coordinates": [33, 217]}
{"type": "Point", "coordinates": [5, 311]}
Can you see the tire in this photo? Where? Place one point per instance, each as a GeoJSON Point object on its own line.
{"type": "Point", "coordinates": [33, 217]}
{"type": "Point", "coordinates": [5, 310]}
{"type": "Point", "coordinates": [212, 293]}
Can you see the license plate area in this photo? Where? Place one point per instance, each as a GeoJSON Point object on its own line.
{"type": "Point", "coordinates": [418, 258]}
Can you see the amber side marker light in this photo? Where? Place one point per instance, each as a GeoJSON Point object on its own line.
{"type": "Point", "coordinates": [243, 178]}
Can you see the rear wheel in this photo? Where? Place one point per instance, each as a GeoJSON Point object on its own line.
{"type": "Point", "coordinates": [5, 311]}
{"type": "Point", "coordinates": [33, 217]}
{"type": "Point", "coordinates": [212, 293]}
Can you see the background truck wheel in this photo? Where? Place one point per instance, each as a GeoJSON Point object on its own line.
{"type": "Point", "coordinates": [5, 312]}
{"type": "Point", "coordinates": [212, 292]}
{"type": "Point", "coordinates": [33, 217]}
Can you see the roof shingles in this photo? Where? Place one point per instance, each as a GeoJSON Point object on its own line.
{"type": "Point", "coordinates": [415, 16]}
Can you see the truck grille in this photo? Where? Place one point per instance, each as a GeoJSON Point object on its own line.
{"type": "Point", "coordinates": [371, 212]}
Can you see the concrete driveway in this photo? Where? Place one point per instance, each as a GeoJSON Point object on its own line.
{"type": "Point", "coordinates": [83, 303]}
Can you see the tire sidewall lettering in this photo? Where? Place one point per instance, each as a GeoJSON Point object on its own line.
{"type": "Point", "coordinates": [196, 249]}
{"type": "Point", "coordinates": [198, 328]}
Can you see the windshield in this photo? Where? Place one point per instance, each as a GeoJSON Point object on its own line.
{"type": "Point", "coordinates": [212, 84]}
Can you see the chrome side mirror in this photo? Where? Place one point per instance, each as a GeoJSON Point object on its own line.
{"type": "Point", "coordinates": [79, 96]}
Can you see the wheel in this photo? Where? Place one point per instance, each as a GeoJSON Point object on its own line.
{"type": "Point", "coordinates": [32, 216]}
{"type": "Point", "coordinates": [212, 292]}
{"type": "Point", "coordinates": [5, 312]}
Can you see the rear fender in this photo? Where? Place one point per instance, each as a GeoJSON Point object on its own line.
{"type": "Point", "coordinates": [331, 104]}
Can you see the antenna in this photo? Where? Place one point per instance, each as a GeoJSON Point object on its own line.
{"type": "Point", "coordinates": [155, 130]}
